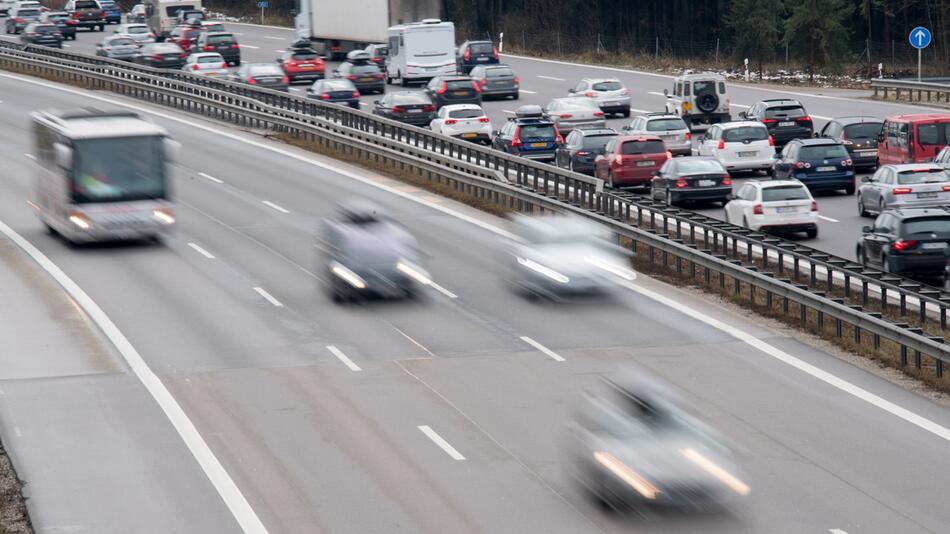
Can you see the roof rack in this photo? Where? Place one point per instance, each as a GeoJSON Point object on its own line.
{"type": "Point", "coordinates": [93, 113]}
{"type": "Point", "coordinates": [780, 100]}
{"type": "Point", "coordinates": [657, 113]}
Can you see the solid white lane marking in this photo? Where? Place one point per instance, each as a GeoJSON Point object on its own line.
{"type": "Point", "coordinates": [279, 51]}
{"type": "Point", "coordinates": [442, 290]}
{"type": "Point", "coordinates": [822, 117]}
{"type": "Point", "coordinates": [740, 106]}
{"type": "Point", "coordinates": [249, 46]}
{"type": "Point", "coordinates": [31, 156]}
{"type": "Point", "coordinates": [444, 445]}
{"type": "Point", "coordinates": [550, 353]}
{"type": "Point", "coordinates": [343, 358]}
{"type": "Point", "coordinates": [219, 477]}
{"type": "Point", "coordinates": [201, 251]}
{"type": "Point", "coordinates": [655, 93]}
{"type": "Point", "coordinates": [527, 92]}
{"type": "Point", "coordinates": [829, 219]}
{"type": "Point", "coordinates": [249, 25]}
{"type": "Point", "coordinates": [274, 38]}
{"type": "Point", "coordinates": [837, 531]}
{"type": "Point", "coordinates": [268, 297]}
{"type": "Point", "coordinates": [209, 177]}
{"type": "Point", "coordinates": [270, 204]}
{"type": "Point", "coordinates": [552, 78]}
{"type": "Point", "coordinates": [67, 46]}
{"type": "Point", "coordinates": [508, 111]}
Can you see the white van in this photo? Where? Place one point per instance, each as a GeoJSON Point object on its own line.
{"type": "Point", "coordinates": [420, 51]}
{"type": "Point", "coordinates": [162, 15]}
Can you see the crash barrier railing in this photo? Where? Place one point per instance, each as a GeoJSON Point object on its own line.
{"type": "Point", "coordinates": [696, 246]}
{"type": "Point", "coordinates": [913, 90]}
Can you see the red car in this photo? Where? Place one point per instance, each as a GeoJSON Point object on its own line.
{"type": "Point", "coordinates": [913, 138]}
{"type": "Point", "coordinates": [302, 64]}
{"type": "Point", "coordinates": [631, 160]}
{"type": "Point", "coordinates": [183, 36]}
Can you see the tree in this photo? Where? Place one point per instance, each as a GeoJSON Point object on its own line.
{"type": "Point", "coordinates": [818, 30]}
{"type": "Point", "coordinates": [756, 26]}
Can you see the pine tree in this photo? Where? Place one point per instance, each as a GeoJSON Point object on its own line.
{"type": "Point", "coordinates": [756, 26]}
{"type": "Point", "coordinates": [818, 31]}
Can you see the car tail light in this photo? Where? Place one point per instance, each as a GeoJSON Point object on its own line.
{"type": "Point", "coordinates": [582, 153]}
{"type": "Point", "coordinates": [285, 80]}
{"type": "Point", "coordinates": [224, 65]}
{"type": "Point", "coordinates": [901, 190]}
{"type": "Point", "coordinates": [769, 121]}
{"type": "Point", "coordinates": [757, 209]}
{"type": "Point", "coordinates": [450, 121]}
{"type": "Point", "coordinates": [356, 94]}
{"type": "Point", "coordinates": [946, 188]}
{"type": "Point", "coordinates": [195, 67]}
{"type": "Point", "coordinates": [802, 165]}
{"type": "Point", "coordinates": [467, 55]}
{"type": "Point", "coordinates": [565, 115]}
{"type": "Point", "coordinates": [398, 109]}
{"type": "Point", "coordinates": [235, 45]}
{"type": "Point", "coordinates": [379, 76]}
{"type": "Point", "coordinates": [771, 141]}
{"type": "Point", "coordinates": [351, 78]}
{"type": "Point", "coordinates": [476, 87]}
{"type": "Point", "coordinates": [252, 81]}
{"type": "Point", "coordinates": [516, 138]}
{"type": "Point", "coordinates": [442, 88]}
{"type": "Point", "coordinates": [73, 23]}
{"type": "Point", "coordinates": [494, 51]}
{"type": "Point", "coordinates": [325, 96]}
{"type": "Point", "coordinates": [517, 80]}
{"type": "Point", "coordinates": [484, 120]}
{"type": "Point", "coordinates": [814, 205]}
{"type": "Point", "coordinates": [681, 182]}
{"type": "Point", "coordinates": [904, 244]}
{"type": "Point", "coordinates": [847, 163]}
{"type": "Point", "coordinates": [806, 118]}
{"type": "Point", "coordinates": [18, 20]}
{"type": "Point", "coordinates": [157, 57]}
{"type": "Point", "coordinates": [669, 155]}
{"type": "Point", "coordinates": [207, 48]}
{"type": "Point", "coordinates": [151, 35]}
{"type": "Point", "coordinates": [483, 82]}
{"type": "Point", "coordinates": [590, 94]}
{"type": "Point", "coordinates": [618, 159]}
{"type": "Point", "coordinates": [689, 136]}
{"type": "Point", "coordinates": [598, 113]}
{"type": "Point", "coordinates": [726, 180]}
{"type": "Point", "coordinates": [722, 144]}
{"type": "Point", "coordinates": [559, 139]}
{"type": "Point", "coordinates": [75, 15]}
{"type": "Point", "coordinates": [428, 107]}
{"type": "Point", "coordinates": [184, 55]}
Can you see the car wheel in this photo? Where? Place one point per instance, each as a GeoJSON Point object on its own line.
{"type": "Point", "coordinates": [812, 233]}
{"type": "Point", "coordinates": [402, 81]}
{"type": "Point", "coordinates": [610, 179]}
{"type": "Point", "coordinates": [745, 223]}
{"type": "Point", "coordinates": [849, 190]}
{"type": "Point", "coordinates": [862, 256]}
{"type": "Point", "coordinates": [862, 210]}
{"type": "Point", "coordinates": [515, 96]}
{"type": "Point", "coordinates": [669, 198]}
{"type": "Point", "coordinates": [626, 114]}
{"type": "Point", "coordinates": [571, 165]}
{"type": "Point", "coordinates": [946, 282]}
{"type": "Point", "coordinates": [880, 206]}
{"type": "Point", "coordinates": [885, 264]}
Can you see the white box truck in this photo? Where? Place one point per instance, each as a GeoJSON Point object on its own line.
{"type": "Point", "coordinates": [337, 27]}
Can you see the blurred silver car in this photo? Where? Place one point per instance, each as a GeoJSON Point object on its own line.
{"type": "Point", "coordinates": [268, 75]}
{"type": "Point", "coordinates": [672, 129]}
{"type": "Point", "coordinates": [496, 80]}
{"type": "Point", "coordinates": [904, 186]}
{"type": "Point", "coordinates": [943, 158]}
{"type": "Point", "coordinates": [609, 93]}
{"type": "Point", "coordinates": [560, 257]}
{"type": "Point", "coordinates": [140, 33]}
{"type": "Point", "coordinates": [633, 445]}
{"type": "Point", "coordinates": [206, 64]}
{"type": "Point", "coordinates": [117, 47]}
{"type": "Point", "coordinates": [570, 113]}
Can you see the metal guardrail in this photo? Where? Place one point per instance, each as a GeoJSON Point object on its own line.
{"type": "Point", "coordinates": [513, 183]}
{"type": "Point", "coordinates": [935, 91]}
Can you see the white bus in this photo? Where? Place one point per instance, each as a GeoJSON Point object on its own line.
{"type": "Point", "coordinates": [420, 51]}
{"type": "Point", "coordinates": [162, 15]}
{"type": "Point", "coordinates": [102, 175]}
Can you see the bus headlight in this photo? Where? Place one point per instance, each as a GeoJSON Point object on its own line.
{"type": "Point", "coordinates": [80, 220]}
{"type": "Point", "coordinates": [165, 215]}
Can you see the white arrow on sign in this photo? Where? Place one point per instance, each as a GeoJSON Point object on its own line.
{"type": "Point", "coordinates": [920, 37]}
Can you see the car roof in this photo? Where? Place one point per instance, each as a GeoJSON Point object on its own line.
{"type": "Point", "coordinates": [907, 213]}
{"type": "Point", "coordinates": [599, 80]}
{"type": "Point", "coordinates": [94, 123]}
{"type": "Point", "coordinates": [596, 131]}
{"type": "Point", "coordinates": [819, 141]}
{"type": "Point", "coordinates": [781, 102]}
{"type": "Point", "coordinates": [658, 115]}
{"type": "Point", "coordinates": [741, 124]}
{"type": "Point", "coordinates": [920, 117]}
{"type": "Point", "coordinates": [48, 13]}
{"type": "Point", "coordinates": [456, 107]}
{"type": "Point", "coordinates": [857, 119]}
{"type": "Point", "coordinates": [766, 184]}
{"type": "Point", "coordinates": [702, 76]}
{"type": "Point", "coordinates": [904, 167]}
{"type": "Point", "coordinates": [639, 137]}
{"type": "Point", "coordinates": [481, 41]}
{"type": "Point", "coordinates": [204, 54]}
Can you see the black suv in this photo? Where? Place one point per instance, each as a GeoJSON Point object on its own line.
{"type": "Point", "coordinates": [42, 33]}
{"type": "Point", "coordinates": [907, 241]}
{"type": "Point", "coordinates": [471, 53]}
{"type": "Point", "coordinates": [858, 135]}
{"type": "Point", "coordinates": [581, 148]}
{"type": "Point", "coordinates": [786, 119]}
{"type": "Point", "coordinates": [529, 134]}
{"type": "Point", "coordinates": [363, 72]}
{"type": "Point", "coordinates": [445, 90]}
{"type": "Point", "coordinates": [223, 43]}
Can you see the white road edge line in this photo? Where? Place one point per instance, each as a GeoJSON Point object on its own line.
{"type": "Point", "coordinates": [209, 177]}
{"type": "Point", "coordinates": [550, 353]}
{"type": "Point", "coordinates": [343, 358]}
{"type": "Point", "coordinates": [829, 219]}
{"type": "Point", "coordinates": [201, 251]}
{"type": "Point", "coordinates": [442, 290]}
{"type": "Point", "coordinates": [270, 204]}
{"type": "Point", "coordinates": [30, 156]}
{"type": "Point", "coordinates": [444, 445]}
{"type": "Point", "coordinates": [268, 297]}
{"type": "Point", "coordinates": [274, 38]}
{"type": "Point", "coordinates": [837, 531]}
{"type": "Point", "coordinates": [552, 78]}
{"type": "Point", "coordinates": [219, 477]}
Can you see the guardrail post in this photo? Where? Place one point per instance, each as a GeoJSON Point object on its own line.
{"type": "Point", "coordinates": [917, 359]}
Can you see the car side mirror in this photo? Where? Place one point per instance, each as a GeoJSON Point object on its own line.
{"type": "Point", "coordinates": [63, 155]}
{"type": "Point", "coordinates": [866, 180]}
{"type": "Point", "coordinates": [743, 115]}
{"type": "Point", "coordinates": [867, 229]}
{"type": "Point", "coordinates": [666, 93]}
{"type": "Point", "coordinates": [494, 133]}
{"type": "Point", "coordinates": [376, 102]}
{"type": "Point", "coordinates": [817, 134]}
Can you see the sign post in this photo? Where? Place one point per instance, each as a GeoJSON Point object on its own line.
{"type": "Point", "coordinates": [262, 4]}
{"type": "Point", "coordinates": [920, 38]}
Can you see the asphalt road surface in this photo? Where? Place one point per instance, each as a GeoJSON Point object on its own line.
{"type": "Point", "coordinates": [432, 416]}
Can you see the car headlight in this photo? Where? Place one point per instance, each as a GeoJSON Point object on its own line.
{"type": "Point", "coordinates": [165, 215]}
{"type": "Point", "coordinates": [541, 269]}
{"type": "Point", "coordinates": [80, 220]}
{"type": "Point", "coordinates": [628, 475]}
{"type": "Point", "coordinates": [347, 275]}
{"type": "Point", "coordinates": [715, 470]}
{"type": "Point", "coordinates": [413, 271]}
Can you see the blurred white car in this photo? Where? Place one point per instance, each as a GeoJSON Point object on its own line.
{"type": "Point", "coordinates": [207, 64]}
{"type": "Point", "coordinates": [672, 129]}
{"type": "Point", "coordinates": [609, 93]}
{"type": "Point", "coordinates": [465, 121]}
{"type": "Point", "coordinates": [140, 33]}
{"type": "Point", "coordinates": [739, 146]}
{"type": "Point", "coordinates": [774, 205]}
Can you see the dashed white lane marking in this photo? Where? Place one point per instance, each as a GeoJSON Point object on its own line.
{"type": "Point", "coordinates": [270, 204]}
{"type": "Point", "coordinates": [279, 51]}
{"type": "Point", "coordinates": [274, 38]}
{"type": "Point", "coordinates": [343, 358]}
{"type": "Point", "coordinates": [442, 290]}
{"type": "Point", "coordinates": [268, 297]}
{"type": "Point", "coordinates": [237, 33]}
{"type": "Point", "coordinates": [209, 177]}
{"type": "Point", "coordinates": [364, 103]}
{"type": "Point", "coordinates": [201, 251]}
{"type": "Point", "coordinates": [552, 78]}
{"type": "Point", "coordinates": [31, 156]}
{"type": "Point", "coordinates": [837, 531]}
{"type": "Point", "coordinates": [444, 445]}
{"type": "Point", "coordinates": [413, 341]}
{"type": "Point", "coordinates": [249, 46]}
{"type": "Point", "coordinates": [67, 46]}
{"type": "Point", "coordinates": [822, 117]}
{"type": "Point", "coordinates": [508, 111]}
{"type": "Point", "coordinates": [550, 353]}
{"type": "Point", "coordinates": [527, 92]}
{"type": "Point", "coordinates": [654, 93]}
{"type": "Point", "coordinates": [829, 219]}
{"type": "Point", "coordinates": [740, 106]}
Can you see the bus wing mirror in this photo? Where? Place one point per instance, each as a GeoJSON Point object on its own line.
{"type": "Point", "coordinates": [172, 150]}
{"type": "Point", "coordinates": [63, 155]}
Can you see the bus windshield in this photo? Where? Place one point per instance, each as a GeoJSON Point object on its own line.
{"type": "Point", "coordinates": [118, 169]}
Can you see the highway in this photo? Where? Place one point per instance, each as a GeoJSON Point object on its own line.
{"type": "Point", "coordinates": [542, 80]}
{"type": "Point", "coordinates": [432, 416]}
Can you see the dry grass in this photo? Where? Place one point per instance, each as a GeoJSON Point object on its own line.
{"type": "Point", "coordinates": [13, 514]}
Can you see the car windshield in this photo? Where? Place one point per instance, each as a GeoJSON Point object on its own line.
{"type": "Point", "coordinates": [365, 69]}
{"type": "Point", "coordinates": [499, 73]}
{"type": "Point", "coordinates": [87, 5]}
{"type": "Point", "coordinates": [699, 166]}
{"type": "Point", "coordinates": [266, 70]}
{"type": "Point", "coordinates": [934, 134]}
{"type": "Point", "coordinates": [118, 169]}
{"type": "Point", "coordinates": [213, 27]}
{"type": "Point", "coordinates": [122, 41]}
{"type": "Point", "coordinates": [481, 48]}
{"type": "Point", "coordinates": [701, 87]}
{"type": "Point", "coordinates": [865, 130]}
{"type": "Point", "coordinates": [922, 176]}
{"type": "Point", "coordinates": [784, 192]}
{"type": "Point", "coordinates": [633, 148]}
{"type": "Point", "coordinates": [745, 133]}
{"type": "Point", "coordinates": [608, 86]}
{"type": "Point", "coordinates": [307, 55]}
{"type": "Point", "coordinates": [597, 142]}
{"type": "Point", "coordinates": [927, 225]}
{"type": "Point", "coordinates": [216, 58]}
{"type": "Point", "coordinates": [580, 104]}
{"type": "Point", "coordinates": [822, 152]}
{"type": "Point", "coordinates": [662, 125]}
{"type": "Point", "coordinates": [220, 39]}
{"type": "Point", "coordinates": [28, 13]}
{"type": "Point", "coordinates": [458, 85]}
{"type": "Point", "coordinates": [337, 85]}
{"type": "Point", "coordinates": [46, 29]}
{"type": "Point", "coordinates": [785, 112]}
{"type": "Point", "coordinates": [136, 29]}
{"type": "Point", "coordinates": [466, 113]}
{"type": "Point", "coordinates": [537, 130]}
{"type": "Point", "coordinates": [409, 99]}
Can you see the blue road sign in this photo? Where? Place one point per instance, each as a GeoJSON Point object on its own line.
{"type": "Point", "coordinates": [263, 3]}
{"type": "Point", "coordinates": [920, 37]}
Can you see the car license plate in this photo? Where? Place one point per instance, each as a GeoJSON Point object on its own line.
{"type": "Point", "coordinates": [746, 154]}
{"type": "Point", "coordinates": [306, 67]}
{"type": "Point", "coordinates": [786, 209]}
{"type": "Point", "coordinates": [926, 195]}
{"type": "Point", "coordinates": [611, 103]}
{"type": "Point", "coordinates": [469, 135]}
{"type": "Point", "coordinates": [414, 110]}
{"type": "Point", "coordinates": [482, 59]}
{"type": "Point", "coordinates": [460, 93]}
{"type": "Point", "coordinates": [825, 169]}
{"type": "Point", "coordinates": [867, 152]}
{"type": "Point", "coordinates": [934, 245]}
{"type": "Point", "coordinates": [367, 79]}
{"type": "Point", "coordinates": [212, 73]}
{"type": "Point", "coordinates": [787, 123]}
{"type": "Point", "coordinates": [645, 163]}
{"type": "Point", "coordinates": [707, 183]}
{"type": "Point", "coordinates": [538, 145]}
